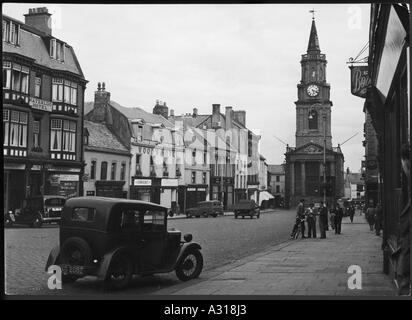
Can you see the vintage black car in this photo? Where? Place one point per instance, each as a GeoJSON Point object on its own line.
{"type": "Point", "coordinates": [206, 208]}
{"type": "Point", "coordinates": [246, 208]}
{"type": "Point", "coordinates": [115, 239]}
{"type": "Point", "coordinates": [36, 210]}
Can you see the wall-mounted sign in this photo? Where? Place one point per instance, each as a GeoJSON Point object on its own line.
{"type": "Point", "coordinates": [40, 104]}
{"type": "Point", "coordinates": [360, 80]}
{"type": "Point", "coordinates": [69, 177]}
{"type": "Point", "coordinates": [142, 182]}
{"type": "Point", "coordinates": [169, 183]}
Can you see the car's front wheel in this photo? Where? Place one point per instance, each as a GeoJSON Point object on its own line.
{"type": "Point", "coordinates": [120, 272]}
{"type": "Point", "coordinates": [190, 266]}
{"type": "Point", "coordinates": [8, 222]}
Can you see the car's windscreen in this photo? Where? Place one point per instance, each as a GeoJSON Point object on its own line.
{"type": "Point", "coordinates": [55, 202]}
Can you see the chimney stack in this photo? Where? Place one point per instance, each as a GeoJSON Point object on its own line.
{"type": "Point", "coordinates": [194, 112]}
{"type": "Point", "coordinates": [229, 117]}
{"type": "Point", "coordinates": [215, 115]}
{"type": "Point", "coordinates": [101, 105]}
{"type": "Point", "coordinates": [240, 117]}
{"type": "Point", "coordinates": [161, 109]}
{"type": "Point", "coordinates": [39, 18]}
{"type": "Point", "coordinates": [172, 113]}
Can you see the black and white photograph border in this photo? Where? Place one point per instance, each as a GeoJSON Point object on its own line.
{"type": "Point", "coordinates": [206, 151]}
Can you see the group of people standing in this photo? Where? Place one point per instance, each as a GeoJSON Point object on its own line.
{"type": "Point", "coordinates": [309, 215]}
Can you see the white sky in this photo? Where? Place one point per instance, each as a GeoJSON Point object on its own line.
{"type": "Point", "coordinates": [242, 55]}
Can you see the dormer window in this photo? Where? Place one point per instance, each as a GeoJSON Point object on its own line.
{"type": "Point", "coordinates": [57, 50]}
{"type": "Point", "coordinates": [11, 32]}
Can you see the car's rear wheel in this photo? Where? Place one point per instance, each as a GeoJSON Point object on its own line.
{"type": "Point", "coordinates": [120, 272]}
{"type": "Point", "coordinates": [76, 251]}
{"type": "Point", "coordinates": [37, 222]}
{"type": "Point", "coordinates": [190, 266]}
{"type": "Point", "coordinates": [69, 278]}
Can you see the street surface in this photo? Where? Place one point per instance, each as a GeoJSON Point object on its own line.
{"type": "Point", "coordinates": [223, 240]}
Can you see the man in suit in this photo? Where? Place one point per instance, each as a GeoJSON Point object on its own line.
{"type": "Point", "coordinates": [323, 220]}
{"type": "Point", "coordinates": [338, 219]}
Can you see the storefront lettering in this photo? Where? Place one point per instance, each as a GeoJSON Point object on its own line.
{"type": "Point", "coordinates": [40, 104]}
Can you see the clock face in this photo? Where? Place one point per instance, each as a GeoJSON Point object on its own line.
{"type": "Point", "coordinates": [313, 90]}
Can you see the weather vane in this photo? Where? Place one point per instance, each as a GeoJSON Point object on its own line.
{"type": "Point", "coordinates": [313, 13]}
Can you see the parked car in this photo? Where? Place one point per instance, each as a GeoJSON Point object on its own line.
{"type": "Point", "coordinates": [206, 208]}
{"type": "Point", "coordinates": [115, 239]}
{"type": "Point", "coordinates": [246, 208]}
{"type": "Point", "coordinates": [36, 210]}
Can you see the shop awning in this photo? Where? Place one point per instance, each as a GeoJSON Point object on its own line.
{"type": "Point", "coordinates": [264, 195]}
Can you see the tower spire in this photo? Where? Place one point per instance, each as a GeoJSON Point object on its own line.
{"type": "Point", "coordinates": [313, 38]}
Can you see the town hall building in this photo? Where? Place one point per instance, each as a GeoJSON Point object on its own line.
{"type": "Point", "coordinates": [304, 170]}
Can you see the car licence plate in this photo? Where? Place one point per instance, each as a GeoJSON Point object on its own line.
{"type": "Point", "coordinates": [68, 269]}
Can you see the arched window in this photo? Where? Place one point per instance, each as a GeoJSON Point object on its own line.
{"type": "Point", "coordinates": [313, 120]}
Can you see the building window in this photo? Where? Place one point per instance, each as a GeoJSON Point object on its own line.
{"type": "Point", "coordinates": [93, 170]}
{"type": "Point", "coordinates": [313, 120]}
{"type": "Point", "coordinates": [194, 157]}
{"type": "Point", "coordinates": [15, 128]}
{"type": "Point", "coordinates": [37, 86]}
{"type": "Point", "coordinates": [6, 74]}
{"type": "Point", "coordinates": [165, 172]}
{"type": "Point", "coordinates": [103, 171]}
{"type": "Point", "coordinates": [64, 91]}
{"type": "Point", "coordinates": [123, 171]}
{"type": "Point", "coordinates": [36, 133]}
{"type": "Point", "coordinates": [277, 189]}
{"type": "Point", "coordinates": [193, 180]}
{"type": "Point", "coordinates": [277, 178]}
{"type": "Point", "coordinates": [57, 50]}
{"type": "Point", "coordinates": [138, 165]}
{"type": "Point", "coordinates": [204, 177]}
{"type": "Point", "coordinates": [113, 171]}
{"type": "Point", "coordinates": [16, 77]}
{"type": "Point", "coordinates": [11, 32]}
{"type": "Point", "coordinates": [63, 135]}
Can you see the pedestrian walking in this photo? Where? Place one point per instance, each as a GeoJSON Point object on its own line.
{"type": "Point", "coordinates": [300, 219]}
{"type": "Point", "coordinates": [332, 217]}
{"type": "Point", "coordinates": [378, 220]}
{"type": "Point", "coordinates": [338, 219]}
{"type": "Point", "coordinates": [323, 220]}
{"type": "Point", "coordinates": [370, 216]}
{"type": "Point", "coordinates": [351, 213]}
{"type": "Point", "coordinates": [311, 220]}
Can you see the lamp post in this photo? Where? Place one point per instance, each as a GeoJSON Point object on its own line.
{"type": "Point", "coordinates": [324, 147]}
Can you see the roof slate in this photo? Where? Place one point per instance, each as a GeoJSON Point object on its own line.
{"type": "Point", "coordinates": [33, 46]}
{"type": "Point", "coordinates": [101, 138]}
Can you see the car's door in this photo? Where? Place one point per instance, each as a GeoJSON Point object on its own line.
{"type": "Point", "coordinates": [153, 239]}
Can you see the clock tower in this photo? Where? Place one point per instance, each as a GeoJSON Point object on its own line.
{"type": "Point", "coordinates": [313, 107]}
{"type": "Point", "coordinates": [313, 168]}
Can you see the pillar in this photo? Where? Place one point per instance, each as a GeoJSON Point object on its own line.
{"type": "Point", "coordinates": [302, 166]}
{"type": "Point", "coordinates": [292, 178]}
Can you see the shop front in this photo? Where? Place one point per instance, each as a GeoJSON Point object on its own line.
{"type": "Point", "coordinates": [62, 183]}
{"type": "Point", "coordinates": [168, 196]}
{"type": "Point", "coordinates": [111, 189]}
{"type": "Point", "coordinates": [146, 189]}
{"type": "Point", "coordinates": [388, 102]}
{"type": "Point", "coordinates": [240, 194]}
{"type": "Point", "coordinates": [14, 185]}
{"type": "Point", "coordinates": [195, 193]}
{"type": "Point", "coordinates": [222, 190]}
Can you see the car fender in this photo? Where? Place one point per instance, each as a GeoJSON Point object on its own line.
{"type": "Point", "coordinates": [185, 247]}
{"type": "Point", "coordinates": [54, 257]}
{"type": "Point", "coordinates": [107, 259]}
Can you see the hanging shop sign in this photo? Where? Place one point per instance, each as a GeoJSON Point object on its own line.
{"type": "Point", "coordinates": [360, 80]}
